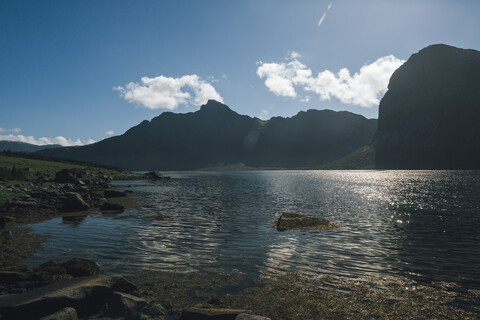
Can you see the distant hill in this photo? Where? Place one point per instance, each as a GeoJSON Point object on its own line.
{"type": "Point", "coordinates": [23, 147]}
{"type": "Point", "coordinates": [216, 136]}
{"type": "Point", "coordinates": [429, 117]}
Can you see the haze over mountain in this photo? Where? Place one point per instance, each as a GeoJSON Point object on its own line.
{"type": "Point", "coordinates": [217, 136]}
{"type": "Point", "coordinates": [429, 117]}
{"type": "Point", "coordinates": [23, 146]}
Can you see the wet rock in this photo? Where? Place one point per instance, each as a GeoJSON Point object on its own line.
{"type": "Point", "coordinates": [87, 295]}
{"type": "Point", "coordinates": [112, 206]}
{"type": "Point", "coordinates": [297, 221]}
{"type": "Point", "coordinates": [74, 202]}
{"type": "Point", "coordinates": [64, 314]}
{"type": "Point", "coordinates": [114, 194]}
{"type": "Point", "coordinates": [124, 305]}
{"type": "Point", "coordinates": [79, 267]}
{"type": "Point", "coordinates": [211, 314]}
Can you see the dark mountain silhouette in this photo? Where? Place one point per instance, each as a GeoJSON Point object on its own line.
{"type": "Point", "coordinates": [429, 117]}
{"type": "Point", "coordinates": [217, 136]}
{"type": "Point", "coordinates": [22, 146]}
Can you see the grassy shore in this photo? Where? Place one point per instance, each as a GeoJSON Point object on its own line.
{"type": "Point", "coordinates": [32, 174]}
{"type": "Point", "coordinates": [20, 178]}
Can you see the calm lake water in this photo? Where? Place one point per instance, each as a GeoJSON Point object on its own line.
{"type": "Point", "coordinates": [418, 224]}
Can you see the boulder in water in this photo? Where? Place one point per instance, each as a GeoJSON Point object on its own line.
{"type": "Point", "coordinates": [297, 221]}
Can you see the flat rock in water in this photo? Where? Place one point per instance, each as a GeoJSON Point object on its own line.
{"type": "Point", "coordinates": [86, 294]}
{"type": "Point", "coordinates": [79, 267]}
{"type": "Point", "coordinates": [297, 221]}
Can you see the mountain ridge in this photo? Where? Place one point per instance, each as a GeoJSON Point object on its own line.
{"type": "Point", "coordinates": [216, 135]}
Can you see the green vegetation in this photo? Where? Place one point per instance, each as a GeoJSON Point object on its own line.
{"type": "Point", "coordinates": [22, 173]}
{"type": "Point", "coordinates": [361, 159]}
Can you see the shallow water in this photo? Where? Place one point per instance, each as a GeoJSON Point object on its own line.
{"type": "Point", "coordinates": [423, 225]}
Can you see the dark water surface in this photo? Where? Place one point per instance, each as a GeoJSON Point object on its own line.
{"type": "Point", "coordinates": [418, 224]}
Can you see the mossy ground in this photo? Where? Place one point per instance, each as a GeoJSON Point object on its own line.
{"type": "Point", "coordinates": [289, 296]}
{"type": "Point", "coordinates": [18, 243]}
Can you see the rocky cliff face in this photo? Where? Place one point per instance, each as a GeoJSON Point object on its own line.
{"type": "Point", "coordinates": [430, 116]}
{"type": "Point", "coordinates": [217, 136]}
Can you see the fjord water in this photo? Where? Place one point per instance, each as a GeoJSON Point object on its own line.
{"type": "Point", "coordinates": [418, 224]}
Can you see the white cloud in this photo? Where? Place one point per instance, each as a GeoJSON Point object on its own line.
{"type": "Point", "coordinates": [44, 141]}
{"type": "Point", "coordinates": [2, 130]}
{"type": "Point", "coordinates": [295, 55]}
{"type": "Point", "coordinates": [167, 93]}
{"type": "Point", "coordinates": [362, 88]}
{"type": "Point", "coordinates": [110, 133]}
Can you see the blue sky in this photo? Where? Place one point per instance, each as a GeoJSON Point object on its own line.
{"type": "Point", "coordinates": [81, 70]}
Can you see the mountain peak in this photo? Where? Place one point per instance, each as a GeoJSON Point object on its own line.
{"type": "Point", "coordinates": [214, 105]}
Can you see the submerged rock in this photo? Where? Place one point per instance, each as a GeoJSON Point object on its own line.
{"type": "Point", "coordinates": [297, 221]}
{"type": "Point", "coordinates": [79, 267]}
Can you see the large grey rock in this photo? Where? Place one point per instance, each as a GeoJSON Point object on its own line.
{"type": "Point", "coordinates": [74, 202]}
{"type": "Point", "coordinates": [297, 221]}
{"type": "Point", "coordinates": [86, 294]}
{"type": "Point", "coordinates": [124, 305]}
{"type": "Point", "coordinates": [68, 176]}
{"type": "Point", "coordinates": [64, 314]}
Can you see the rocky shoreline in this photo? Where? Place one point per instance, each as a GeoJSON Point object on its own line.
{"type": "Point", "coordinates": [76, 288]}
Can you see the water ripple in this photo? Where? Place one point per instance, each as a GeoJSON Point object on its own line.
{"type": "Point", "coordinates": [421, 223]}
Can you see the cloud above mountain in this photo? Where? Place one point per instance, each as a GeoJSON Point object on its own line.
{"type": "Point", "coordinates": [364, 88]}
{"type": "Point", "coordinates": [66, 142]}
{"type": "Point", "coordinates": [168, 93]}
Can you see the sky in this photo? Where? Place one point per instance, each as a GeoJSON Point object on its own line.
{"type": "Point", "coordinates": [75, 72]}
